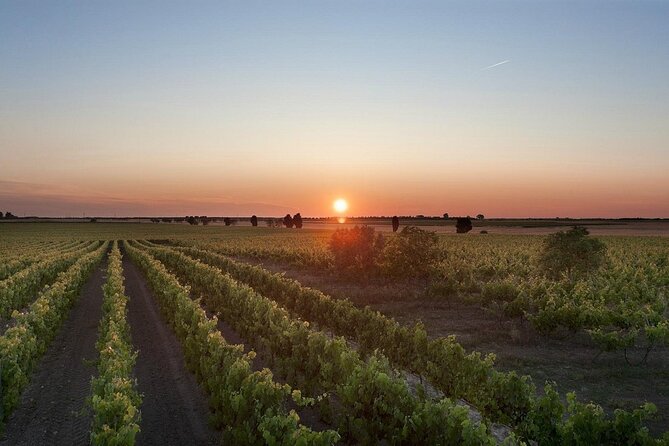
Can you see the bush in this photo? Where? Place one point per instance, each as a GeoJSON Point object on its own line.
{"type": "Point", "coordinates": [410, 253]}
{"type": "Point", "coordinates": [356, 250]}
{"type": "Point", "coordinates": [499, 292]}
{"type": "Point", "coordinates": [571, 253]}
{"type": "Point", "coordinates": [297, 221]}
{"type": "Point", "coordinates": [463, 225]}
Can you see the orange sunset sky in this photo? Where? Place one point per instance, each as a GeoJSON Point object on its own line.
{"type": "Point", "coordinates": [510, 109]}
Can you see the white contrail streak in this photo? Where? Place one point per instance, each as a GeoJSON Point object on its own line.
{"type": "Point", "coordinates": [496, 64]}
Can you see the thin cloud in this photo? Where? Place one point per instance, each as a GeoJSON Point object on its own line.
{"type": "Point", "coordinates": [496, 64]}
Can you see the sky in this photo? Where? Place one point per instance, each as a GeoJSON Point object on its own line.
{"type": "Point", "coordinates": [510, 109]}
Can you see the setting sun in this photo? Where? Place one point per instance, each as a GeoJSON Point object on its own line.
{"type": "Point", "coordinates": [340, 205]}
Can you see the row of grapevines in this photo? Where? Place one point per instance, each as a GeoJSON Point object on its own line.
{"type": "Point", "coordinates": [443, 360]}
{"type": "Point", "coordinates": [115, 400]}
{"type": "Point", "coordinates": [12, 264]}
{"type": "Point", "coordinates": [295, 249]}
{"type": "Point", "coordinates": [23, 343]}
{"type": "Point", "coordinates": [14, 249]}
{"type": "Point", "coordinates": [17, 291]}
{"type": "Point", "coordinates": [249, 406]}
{"type": "Point", "coordinates": [370, 401]}
{"type": "Point", "coordinates": [624, 306]}
{"type": "Point", "coordinates": [504, 396]}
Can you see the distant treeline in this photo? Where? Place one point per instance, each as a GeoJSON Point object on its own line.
{"type": "Point", "coordinates": [231, 220]}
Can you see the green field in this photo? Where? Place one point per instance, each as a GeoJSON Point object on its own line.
{"type": "Point", "coordinates": [483, 346]}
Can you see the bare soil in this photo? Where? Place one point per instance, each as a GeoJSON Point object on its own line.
{"type": "Point", "coordinates": [570, 360]}
{"type": "Point", "coordinates": [174, 408]}
{"type": "Point", "coordinates": [53, 408]}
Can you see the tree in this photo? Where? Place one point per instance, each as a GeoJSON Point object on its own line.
{"type": "Point", "coordinates": [192, 220]}
{"type": "Point", "coordinates": [254, 220]}
{"type": "Point", "coordinates": [396, 223]}
{"type": "Point", "coordinates": [167, 220]}
{"type": "Point", "coordinates": [155, 220]}
{"type": "Point", "coordinates": [10, 215]}
{"type": "Point", "coordinates": [572, 253]}
{"type": "Point", "coordinates": [410, 253]}
{"type": "Point", "coordinates": [297, 221]}
{"type": "Point", "coordinates": [1, 215]}
{"type": "Point", "coordinates": [463, 225]}
{"type": "Point", "coordinates": [205, 220]}
{"type": "Point", "coordinates": [445, 215]}
{"type": "Point", "coordinates": [288, 221]}
{"type": "Point", "coordinates": [356, 250]}
{"type": "Point", "coordinates": [227, 221]}
{"type": "Point", "coordinates": [480, 217]}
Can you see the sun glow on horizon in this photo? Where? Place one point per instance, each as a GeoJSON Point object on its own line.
{"type": "Point", "coordinates": [340, 205]}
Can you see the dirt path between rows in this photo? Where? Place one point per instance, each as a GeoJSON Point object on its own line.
{"type": "Point", "coordinates": [52, 408]}
{"type": "Point", "coordinates": [174, 408]}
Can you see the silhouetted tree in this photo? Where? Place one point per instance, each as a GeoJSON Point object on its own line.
{"type": "Point", "coordinates": [463, 225]}
{"type": "Point", "coordinates": [167, 220]}
{"type": "Point", "coordinates": [480, 217]}
{"type": "Point", "coordinates": [227, 221]}
{"type": "Point", "coordinates": [396, 223]}
{"type": "Point", "coordinates": [297, 221]}
{"type": "Point", "coordinates": [205, 220]}
{"type": "Point", "coordinates": [10, 215]}
{"type": "Point", "coordinates": [1, 215]}
{"type": "Point", "coordinates": [192, 220]}
{"type": "Point", "coordinates": [93, 220]}
{"type": "Point", "coordinates": [254, 220]}
{"type": "Point", "coordinates": [445, 215]}
{"type": "Point", "coordinates": [288, 221]}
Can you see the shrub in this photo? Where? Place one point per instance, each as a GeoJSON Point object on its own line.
{"type": "Point", "coordinates": [410, 253]}
{"type": "Point", "coordinates": [463, 225]}
{"type": "Point", "coordinates": [254, 220]}
{"type": "Point", "coordinates": [297, 221]}
{"type": "Point", "coordinates": [572, 253]}
{"type": "Point", "coordinates": [356, 250]}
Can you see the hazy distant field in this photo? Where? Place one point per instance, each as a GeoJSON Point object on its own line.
{"type": "Point", "coordinates": [530, 227]}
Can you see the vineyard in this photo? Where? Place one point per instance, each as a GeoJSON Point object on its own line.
{"type": "Point", "coordinates": [121, 334]}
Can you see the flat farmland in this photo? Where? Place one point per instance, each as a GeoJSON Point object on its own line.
{"type": "Point", "coordinates": [257, 335]}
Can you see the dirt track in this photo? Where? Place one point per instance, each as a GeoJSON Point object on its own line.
{"type": "Point", "coordinates": [174, 408]}
{"type": "Point", "coordinates": [51, 411]}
